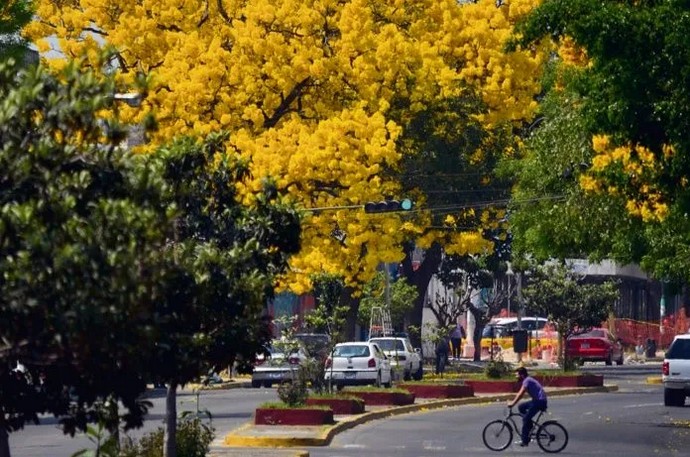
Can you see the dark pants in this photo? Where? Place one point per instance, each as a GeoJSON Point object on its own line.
{"type": "Point", "coordinates": [529, 409]}
{"type": "Point", "coordinates": [441, 359]}
{"type": "Point", "coordinates": [456, 342]}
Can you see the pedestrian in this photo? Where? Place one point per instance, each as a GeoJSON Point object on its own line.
{"type": "Point", "coordinates": [530, 408]}
{"type": "Point", "coordinates": [441, 354]}
{"type": "Point", "coordinates": [456, 337]}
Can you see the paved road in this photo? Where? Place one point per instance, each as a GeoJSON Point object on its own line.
{"type": "Point", "coordinates": [229, 408]}
{"type": "Point", "coordinates": [629, 423]}
{"type": "Point", "coordinates": [232, 408]}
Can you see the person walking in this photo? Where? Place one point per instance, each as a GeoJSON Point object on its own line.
{"type": "Point", "coordinates": [441, 354]}
{"type": "Point", "coordinates": [456, 337]}
{"type": "Point", "coordinates": [531, 407]}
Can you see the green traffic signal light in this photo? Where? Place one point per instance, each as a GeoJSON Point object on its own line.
{"type": "Point", "coordinates": [388, 206]}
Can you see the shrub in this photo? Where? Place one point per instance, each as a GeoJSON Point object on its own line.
{"type": "Point", "coordinates": [295, 393]}
{"type": "Point", "coordinates": [193, 440]}
{"type": "Point", "coordinates": [497, 368]}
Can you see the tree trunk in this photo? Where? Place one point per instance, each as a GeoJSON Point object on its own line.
{"type": "Point", "coordinates": [477, 339]}
{"type": "Point", "coordinates": [420, 278]}
{"type": "Point", "coordinates": [4, 440]}
{"type": "Point", "coordinates": [169, 437]}
{"type": "Point", "coordinates": [352, 312]}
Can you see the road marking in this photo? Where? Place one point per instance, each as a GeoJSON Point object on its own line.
{"type": "Point", "coordinates": [433, 446]}
{"type": "Point", "coordinates": [642, 405]}
{"type": "Point", "coordinates": [354, 446]}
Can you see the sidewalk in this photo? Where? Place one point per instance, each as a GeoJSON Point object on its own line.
{"type": "Point", "coordinates": [261, 440]}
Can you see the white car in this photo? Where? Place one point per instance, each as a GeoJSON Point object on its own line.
{"type": "Point", "coordinates": [358, 363]}
{"type": "Point", "coordinates": [401, 354]}
{"type": "Point", "coordinates": [675, 371]}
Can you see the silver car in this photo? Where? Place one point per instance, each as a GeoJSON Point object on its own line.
{"type": "Point", "coordinates": [273, 368]}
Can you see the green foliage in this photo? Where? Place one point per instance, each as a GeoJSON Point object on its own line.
{"type": "Point", "coordinates": [106, 444]}
{"type": "Point", "coordinates": [82, 241]}
{"type": "Point", "coordinates": [329, 317]}
{"type": "Point", "coordinates": [402, 298]}
{"type": "Point", "coordinates": [226, 257]}
{"type": "Point", "coordinates": [294, 393]}
{"type": "Point", "coordinates": [497, 368]}
{"type": "Point", "coordinates": [634, 89]}
{"type": "Point", "coordinates": [551, 216]}
{"type": "Point", "coordinates": [14, 15]}
{"type": "Point", "coordinates": [193, 439]}
{"type": "Point", "coordinates": [282, 405]}
{"type": "Point", "coordinates": [555, 291]}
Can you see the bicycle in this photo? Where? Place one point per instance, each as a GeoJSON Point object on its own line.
{"type": "Point", "coordinates": [550, 435]}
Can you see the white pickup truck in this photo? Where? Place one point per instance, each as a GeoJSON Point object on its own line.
{"type": "Point", "coordinates": [675, 371]}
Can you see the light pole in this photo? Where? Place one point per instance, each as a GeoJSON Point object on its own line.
{"type": "Point", "coordinates": [509, 275]}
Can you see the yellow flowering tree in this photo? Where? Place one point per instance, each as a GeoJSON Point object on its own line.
{"type": "Point", "coordinates": [324, 96]}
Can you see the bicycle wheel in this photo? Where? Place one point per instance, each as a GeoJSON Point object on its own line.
{"type": "Point", "coordinates": [497, 435]}
{"type": "Point", "coordinates": [552, 437]}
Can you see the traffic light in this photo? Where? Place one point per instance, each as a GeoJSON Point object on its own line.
{"type": "Point", "coordinates": [388, 206]}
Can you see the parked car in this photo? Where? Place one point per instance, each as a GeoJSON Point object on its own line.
{"type": "Point", "coordinates": [272, 367]}
{"type": "Point", "coordinates": [596, 345]}
{"type": "Point", "coordinates": [675, 371]}
{"type": "Point", "coordinates": [317, 344]}
{"type": "Point", "coordinates": [401, 354]}
{"type": "Point", "coordinates": [358, 363]}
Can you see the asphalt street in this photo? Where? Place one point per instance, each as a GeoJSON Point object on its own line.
{"type": "Point", "coordinates": [232, 408]}
{"type": "Point", "coordinates": [629, 423]}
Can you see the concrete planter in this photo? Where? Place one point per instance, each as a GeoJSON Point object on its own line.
{"type": "Point", "coordinates": [579, 380]}
{"type": "Point", "coordinates": [493, 386]}
{"type": "Point", "coordinates": [339, 405]}
{"type": "Point", "coordinates": [439, 390]}
{"type": "Point", "coordinates": [293, 416]}
{"type": "Point", "coordinates": [384, 398]}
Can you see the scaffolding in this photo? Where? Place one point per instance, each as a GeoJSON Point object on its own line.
{"type": "Point", "coordinates": [380, 322]}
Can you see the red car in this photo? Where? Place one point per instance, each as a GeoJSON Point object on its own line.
{"type": "Point", "coordinates": [596, 345]}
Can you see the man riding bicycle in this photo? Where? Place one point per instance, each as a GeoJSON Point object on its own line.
{"type": "Point", "coordinates": [531, 407]}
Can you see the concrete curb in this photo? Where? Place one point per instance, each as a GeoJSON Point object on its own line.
{"type": "Point", "coordinates": [238, 439]}
{"type": "Point", "coordinates": [220, 385]}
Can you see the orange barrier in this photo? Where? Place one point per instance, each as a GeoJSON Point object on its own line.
{"type": "Point", "coordinates": [638, 332]}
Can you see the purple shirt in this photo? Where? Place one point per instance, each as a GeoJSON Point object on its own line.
{"type": "Point", "coordinates": [533, 388]}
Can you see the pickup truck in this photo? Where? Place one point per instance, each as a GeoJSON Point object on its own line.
{"type": "Point", "coordinates": [675, 371]}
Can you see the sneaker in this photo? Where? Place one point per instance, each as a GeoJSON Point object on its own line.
{"type": "Point", "coordinates": [521, 444]}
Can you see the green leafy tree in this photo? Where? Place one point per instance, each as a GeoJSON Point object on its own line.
{"type": "Point", "coordinates": [551, 216]}
{"type": "Point", "coordinates": [225, 258]}
{"type": "Point", "coordinates": [329, 316]}
{"type": "Point", "coordinates": [556, 292]}
{"type": "Point", "coordinates": [402, 299]}
{"type": "Point", "coordinates": [14, 15]}
{"type": "Point", "coordinates": [632, 91]}
{"type": "Point", "coordinates": [80, 229]}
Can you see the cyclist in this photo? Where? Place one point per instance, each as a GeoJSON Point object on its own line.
{"type": "Point", "coordinates": [529, 408]}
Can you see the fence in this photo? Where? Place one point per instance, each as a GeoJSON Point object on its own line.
{"type": "Point", "coordinates": [638, 332]}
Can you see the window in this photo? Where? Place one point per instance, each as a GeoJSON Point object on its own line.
{"type": "Point", "coordinates": [680, 349]}
{"type": "Point", "coordinates": [351, 351]}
